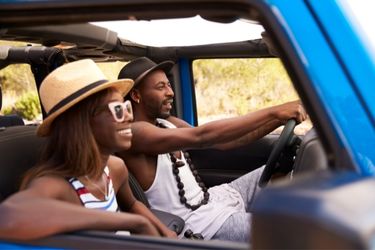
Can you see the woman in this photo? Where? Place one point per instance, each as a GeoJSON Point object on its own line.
{"type": "Point", "coordinates": [87, 121]}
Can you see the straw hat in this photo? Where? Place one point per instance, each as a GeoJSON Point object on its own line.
{"type": "Point", "coordinates": [71, 83]}
{"type": "Point", "coordinates": [139, 68]}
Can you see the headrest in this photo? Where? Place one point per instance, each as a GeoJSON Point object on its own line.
{"type": "Point", "coordinates": [11, 120]}
{"type": "Point", "coordinates": [311, 155]}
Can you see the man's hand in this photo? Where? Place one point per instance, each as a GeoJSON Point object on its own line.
{"type": "Point", "coordinates": [290, 110]}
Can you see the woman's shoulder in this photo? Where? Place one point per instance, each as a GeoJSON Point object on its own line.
{"type": "Point", "coordinates": [115, 163]}
{"type": "Point", "coordinates": [48, 180]}
{"type": "Point", "coordinates": [51, 186]}
{"type": "Point", "coordinates": [117, 168]}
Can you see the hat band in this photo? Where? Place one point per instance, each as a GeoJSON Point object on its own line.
{"type": "Point", "coordinates": [74, 95]}
{"type": "Point", "coordinates": [137, 80]}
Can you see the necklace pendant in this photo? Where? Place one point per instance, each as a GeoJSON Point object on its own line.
{"type": "Point", "coordinates": [180, 186]}
{"type": "Point", "coordinates": [179, 164]}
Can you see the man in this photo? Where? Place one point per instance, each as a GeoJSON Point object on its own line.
{"type": "Point", "coordinates": [164, 172]}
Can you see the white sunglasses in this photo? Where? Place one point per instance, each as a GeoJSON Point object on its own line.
{"type": "Point", "coordinates": [121, 110]}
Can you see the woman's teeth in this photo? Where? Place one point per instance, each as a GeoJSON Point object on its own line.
{"type": "Point", "coordinates": [125, 131]}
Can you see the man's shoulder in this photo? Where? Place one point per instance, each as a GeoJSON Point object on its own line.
{"type": "Point", "coordinates": [172, 120]}
{"type": "Point", "coordinates": [138, 162]}
{"type": "Point", "coordinates": [177, 122]}
{"type": "Point", "coordinates": [165, 123]}
{"type": "Point", "coordinates": [132, 157]}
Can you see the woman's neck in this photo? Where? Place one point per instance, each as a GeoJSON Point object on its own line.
{"type": "Point", "coordinates": [105, 158]}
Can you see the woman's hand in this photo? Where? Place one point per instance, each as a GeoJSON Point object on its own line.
{"type": "Point", "coordinates": [169, 233]}
{"type": "Point", "coordinates": [147, 228]}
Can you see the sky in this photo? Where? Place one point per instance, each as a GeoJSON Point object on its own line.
{"type": "Point", "coordinates": [188, 31]}
{"type": "Point", "coordinates": [362, 14]}
{"type": "Point", "coordinates": [194, 31]}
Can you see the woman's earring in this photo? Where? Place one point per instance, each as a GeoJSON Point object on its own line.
{"type": "Point", "coordinates": [138, 101]}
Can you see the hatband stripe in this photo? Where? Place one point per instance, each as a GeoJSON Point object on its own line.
{"type": "Point", "coordinates": [74, 95]}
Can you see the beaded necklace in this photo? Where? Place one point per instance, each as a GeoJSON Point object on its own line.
{"type": "Point", "coordinates": [181, 192]}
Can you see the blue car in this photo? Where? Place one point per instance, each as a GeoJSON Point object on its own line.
{"type": "Point", "coordinates": [323, 50]}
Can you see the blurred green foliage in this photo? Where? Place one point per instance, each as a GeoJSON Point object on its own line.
{"type": "Point", "coordinates": [234, 87]}
{"type": "Point", "coordinates": [17, 78]}
{"type": "Point", "coordinates": [19, 90]}
{"type": "Point", "coordinates": [27, 106]}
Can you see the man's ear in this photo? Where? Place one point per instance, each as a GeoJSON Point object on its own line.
{"type": "Point", "coordinates": [135, 95]}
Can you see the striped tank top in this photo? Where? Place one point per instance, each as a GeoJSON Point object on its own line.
{"type": "Point", "coordinates": [90, 201]}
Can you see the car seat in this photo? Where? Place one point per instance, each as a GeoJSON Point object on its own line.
{"type": "Point", "coordinates": [311, 155]}
{"type": "Point", "coordinates": [20, 149]}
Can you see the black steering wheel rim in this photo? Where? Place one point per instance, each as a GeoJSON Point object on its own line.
{"type": "Point", "coordinates": [279, 146]}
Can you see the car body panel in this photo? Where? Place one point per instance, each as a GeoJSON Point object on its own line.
{"type": "Point", "coordinates": [362, 74]}
{"type": "Point", "coordinates": [10, 246]}
{"type": "Point", "coordinates": [360, 119]}
{"type": "Point", "coordinates": [331, 83]}
{"type": "Point", "coordinates": [108, 240]}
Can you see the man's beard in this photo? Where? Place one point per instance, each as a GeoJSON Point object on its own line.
{"type": "Point", "coordinates": [164, 115]}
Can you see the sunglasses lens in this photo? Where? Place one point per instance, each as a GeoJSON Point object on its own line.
{"type": "Point", "coordinates": [119, 112]}
{"type": "Point", "coordinates": [128, 107]}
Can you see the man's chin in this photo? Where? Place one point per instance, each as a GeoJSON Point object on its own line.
{"type": "Point", "coordinates": [164, 115]}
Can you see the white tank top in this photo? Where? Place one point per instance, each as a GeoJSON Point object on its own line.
{"type": "Point", "coordinates": [207, 219]}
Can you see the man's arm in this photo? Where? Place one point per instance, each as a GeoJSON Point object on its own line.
{"type": "Point", "coordinates": [148, 139]}
{"type": "Point", "coordinates": [251, 136]}
{"type": "Point", "coordinates": [243, 140]}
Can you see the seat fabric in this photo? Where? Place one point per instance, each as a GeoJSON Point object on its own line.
{"type": "Point", "coordinates": [311, 155]}
{"type": "Point", "coordinates": [19, 150]}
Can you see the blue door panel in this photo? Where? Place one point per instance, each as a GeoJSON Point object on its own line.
{"type": "Point", "coordinates": [187, 91]}
{"type": "Point", "coordinates": [330, 80]}
{"type": "Point", "coordinates": [359, 63]}
{"type": "Point", "coordinates": [360, 68]}
{"type": "Point", "coordinates": [10, 246]}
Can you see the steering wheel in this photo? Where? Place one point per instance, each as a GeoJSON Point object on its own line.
{"type": "Point", "coordinates": [281, 143]}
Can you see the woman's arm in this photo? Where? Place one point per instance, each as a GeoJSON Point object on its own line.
{"type": "Point", "coordinates": [128, 202]}
{"type": "Point", "coordinates": [37, 212]}
{"type": "Point", "coordinates": [139, 208]}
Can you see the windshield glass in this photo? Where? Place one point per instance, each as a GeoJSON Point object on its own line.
{"type": "Point", "coordinates": [183, 31]}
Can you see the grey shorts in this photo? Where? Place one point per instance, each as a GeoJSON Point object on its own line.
{"type": "Point", "coordinates": [237, 227]}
